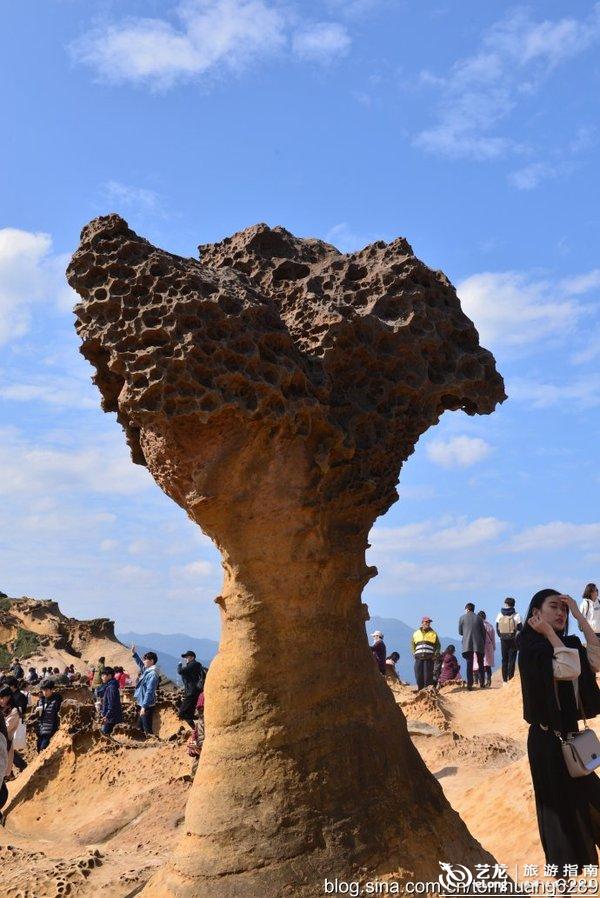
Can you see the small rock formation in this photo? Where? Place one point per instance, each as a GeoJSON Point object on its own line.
{"type": "Point", "coordinates": [274, 390]}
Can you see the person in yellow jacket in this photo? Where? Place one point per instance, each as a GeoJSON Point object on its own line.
{"type": "Point", "coordinates": [425, 647]}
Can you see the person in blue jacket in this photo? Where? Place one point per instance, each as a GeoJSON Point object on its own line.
{"type": "Point", "coordinates": [145, 691]}
{"type": "Point", "coordinates": [110, 710]}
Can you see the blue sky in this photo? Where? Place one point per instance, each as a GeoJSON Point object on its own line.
{"type": "Point", "coordinates": [471, 129]}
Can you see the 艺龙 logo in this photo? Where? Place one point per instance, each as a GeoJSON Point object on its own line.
{"type": "Point", "coordinates": [455, 877]}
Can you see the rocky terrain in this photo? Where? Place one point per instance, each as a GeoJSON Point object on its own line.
{"type": "Point", "coordinates": [94, 815]}
{"type": "Point", "coordinates": [39, 634]}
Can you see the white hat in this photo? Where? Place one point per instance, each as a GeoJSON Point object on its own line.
{"type": "Point", "coordinates": [377, 633]}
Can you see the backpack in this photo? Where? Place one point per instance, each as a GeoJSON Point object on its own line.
{"type": "Point", "coordinates": [202, 676]}
{"type": "Point", "coordinates": [506, 626]}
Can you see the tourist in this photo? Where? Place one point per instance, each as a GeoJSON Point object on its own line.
{"type": "Point", "coordinates": [145, 690]}
{"type": "Point", "coordinates": [21, 698]}
{"type": "Point", "coordinates": [4, 749]}
{"type": "Point", "coordinates": [192, 674]}
{"type": "Point", "coordinates": [16, 670]}
{"type": "Point", "coordinates": [450, 672]}
{"type": "Point", "coordinates": [379, 650]}
{"type": "Point", "coordinates": [590, 607]}
{"type": "Point", "coordinates": [110, 710]}
{"type": "Point", "coordinates": [425, 646]}
{"type": "Point", "coordinates": [97, 680]}
{"type": "Point", "coordinates": [555, 668]}
{"type": "Point", "coordinates": [472, 630]}
{"type": "Point", "coordinates": [490, 648]}
{"type": "Point", "coordinates": [508, 627]}
{"type": "Point", "coordinates": [32, 677]}
{"type": "Point", "coordinates": [47, 713]}
{"type": "Point", "coordinates": [122, 677]}
{"type": "Point", "coordinates": [12, 718]}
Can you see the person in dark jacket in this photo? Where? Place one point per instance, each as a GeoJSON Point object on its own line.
{"type": "Point", "coordinates": [508, 627]}
{"type": "Point", "coordinates": [47, 712]}
{"type": "Point", "coordinates": [193, 675]}
{"type": "Point", "coordinates": [110, 709]}
{"type": "Point", "coordinates": [16, 670]}
{"type": "Point", "coordinates": [555, 668]}
{"type": "Point", "coordinates": [472, 630]}
{"type": "Point", "coordinates": [32, 677]}
{"type": "Point", "coordinates": [450, 672]}
{"type": "Point", "coordinates": [379, 650]}
{"type": "Point", "coordinates": [21, 701]}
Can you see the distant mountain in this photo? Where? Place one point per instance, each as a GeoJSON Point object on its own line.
{"type": "Point", "coordinates": [397, 637]}
{"type": "Point", "coordinates": [169, 647]}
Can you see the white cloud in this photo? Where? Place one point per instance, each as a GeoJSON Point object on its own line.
{"type": "Point", "coordinates": [211, 35]}
{"type": "Point", "coordinates": [29, 275]}
{"type": "Point", "coordinates": [195, 569]}
{"type": "Point", "coordinates": [348, 241]}
{"type": "Point", "coordinates": [583, 392]}
{"type": "Point", "coordinates": [510, 309]}
{"type": "Point", "coordinates": [532, 175]}
{"type": "Point", "coordinates": [590, 352]}
{"type": "Point", "coordinates": [557, 535]}
{"type": "Point", "coordinates": [135, 575]}
{"type": "Point", "coordinates": [132, 197]}
{"type": "Point", "coordinates": [582, 283]}
{"type": "Point", "coordinates": [458, 452]}
{"type": "Point", "coordinates": [201, 39]}
{"type": "Point", "coordinates": [101, 467]}
{"type": "Point", "coordinates": [432, 537]}
{"type": "Point", "coordinates": [56, 390]}
{"type": "Point", "coordinates": [515, 56]}
{"type": "Point", "coordinates": [321, 42]}
{"type": "Point", "coordinates": [353, 8]}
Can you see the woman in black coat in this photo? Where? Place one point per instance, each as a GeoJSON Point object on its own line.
{"type": "Point", "coordinates": [550, 663]}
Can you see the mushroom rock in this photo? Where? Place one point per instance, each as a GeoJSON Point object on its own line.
{"type": "Point", "coordinates": [273, 389]}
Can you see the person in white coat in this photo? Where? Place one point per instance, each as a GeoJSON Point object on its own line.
{"type": "Point", "coordinates": [4, 741]}
{"type": "Point", "coordinates": [590, 607]}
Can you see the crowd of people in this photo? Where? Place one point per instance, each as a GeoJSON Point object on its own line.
{"type": "Point", "coordinates": [33, 699]}
{"type": "Point", "coordinates": [436, 667]}
{"type": "Point", "coordinates": [558, 676]}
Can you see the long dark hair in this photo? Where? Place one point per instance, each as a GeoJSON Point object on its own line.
{"type": "Point", "coordinates": [535, 604]}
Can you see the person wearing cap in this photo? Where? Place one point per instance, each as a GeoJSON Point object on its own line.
{"type": "Point", "coordinates": [192, 674]}
{"type": "Point", "coordinates": [425, 647]}
{"type": "Point", "coordinates": [379, 650]}
{"type": "Point", "coordinates": [145, 690]}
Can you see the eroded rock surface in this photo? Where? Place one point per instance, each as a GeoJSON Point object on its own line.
{"type": "Point", "coordinates": [274, 390]}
